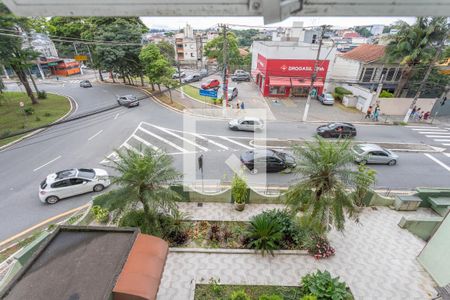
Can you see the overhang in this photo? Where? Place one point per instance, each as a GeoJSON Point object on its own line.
{"type": "Point", "coordinates": [279, 81]}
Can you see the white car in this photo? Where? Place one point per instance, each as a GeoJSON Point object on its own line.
{"type": "Point", "coordinates": [246, 124]}
{"type": "Point", "coordinates": [72, 182]}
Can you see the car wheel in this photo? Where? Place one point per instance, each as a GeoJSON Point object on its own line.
{"type": "Point", "coordinates": [51, 199]}
{"type": "Point", "coordinates": [118, 102]}
{"type": "Point", "coordinates": [98, 187]}
{"type": "Point", "coordinates": [254, 171]}
{"type": "Point", "coordinates": [392, 162]}
{"type": "Point", "coordinates": [234, 128]}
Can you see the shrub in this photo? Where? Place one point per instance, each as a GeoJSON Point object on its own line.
{"type": "Point", "coordinates": [270, 297]}
{"type": "Point", "coordinates": [324, 287]}
{"type": "Point", "coordinates": [342, 91]}
{"type": "Point", "coordinates": [174, 228]}
{"type": "Point", "coordinates": [42, 94]}
{"type": "Point", "coordinates": [264, 234]}
{"type": "Point", "coordinates": [28, 111]}
{"type": "Point", "coordinates": [239, 190]}
{"type": "Point", "coordinates": [216, 288]}
{"type": "Point", "coordinates": [319, 247]}
{"type": "Point", "coordinates": [47, 114]}
{"type": "Point", "coordinates": [309, 297]}
{"type": "Point", "coordinates": [214, 233]}
{"type": "Point", "coordinates": [386, 94]}
{"type": "Point", "coordinates": [239, 295]}
{"type": "Point", "coordinates": [289, 229]}
{"type": "Point", "coordinates": [37, 119]}
{"type": "Point", "coordinates": [5, 134]}
{"type": "Point", "coordinates": [134, 218]}
{"type": "Point", "coordinates": [101, 215]}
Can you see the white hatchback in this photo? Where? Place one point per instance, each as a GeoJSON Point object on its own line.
{"type": "Point", "coordinates": [72, 182]}
{"type": "Point", "coordinates": [246, 124]}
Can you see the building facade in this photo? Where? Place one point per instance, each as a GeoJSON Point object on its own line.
{"type": "Point", "coordinates": [43, 44]}
{"type": "Point", "coordinates": [283, 69]}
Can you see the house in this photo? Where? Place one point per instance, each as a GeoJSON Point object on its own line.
{"type": "Point", "coordinates": [101, 263]}
{"type": "Point", "coordinates": [364, 65]}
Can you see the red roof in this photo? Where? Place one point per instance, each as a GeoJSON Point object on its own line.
{"type": "Point", "coordinates": [365, 53]}
{"type": "Point", "coordinates": [350, 34]}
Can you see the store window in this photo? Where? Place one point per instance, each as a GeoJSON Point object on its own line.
{"type": "Point", "coordinates": [398, 75]}
{"type": "Point", "coordinates": [367, 77]}
{"type": "Point", "coordinates": [277, 90]}
{"type": "Point", "coordinates": [390, 74]}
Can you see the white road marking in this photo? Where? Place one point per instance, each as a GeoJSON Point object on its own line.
{"type": "Point", "coordinates": [446, 135]}
{"type": "Point", "coordinates": [446, 144]}
{"type": "Point", "coordinates": [145, 142]}
{"type": "Point", "coordinates": [164, 140]}
{"type": "Point", "coordinates": [437, 161]}
{"type": "Point", "coordinates": [47, 163]}
{"type": "Point", "coordinates": [446, 154]}
{"type": "Point", "coordinates": [441, 140]}
{"type": "Point", "coordinates": [428, 128]}
{"type": "Point", "coordinates": [116, 116]}
{"type": "Point", "coordinates": [422, 127]}
{"type": "Point", "coordinates": [435, 132]}
{"type": "Point", "coordinates": [95, 135]}
{"type": "Point", "coordinates": [234, 142]}
{"type": "Point", "coordinates": [209, 141]}
{"type": "Point", "coordinates": [181, 138]}
{"type": "Point", "coordinates": [129, 147]}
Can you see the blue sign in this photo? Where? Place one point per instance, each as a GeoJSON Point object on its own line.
{"type": "Point", "coordinates": [208, 93]}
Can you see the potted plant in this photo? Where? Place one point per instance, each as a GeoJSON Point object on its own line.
{"type": "Point", "coordinates": [239, 192]}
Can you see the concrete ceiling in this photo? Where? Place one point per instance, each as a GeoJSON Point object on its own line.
{"type": "Point", "coordinates": [271, 10]}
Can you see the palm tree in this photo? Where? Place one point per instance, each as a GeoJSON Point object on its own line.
{"type": "Point", "coordinates": [326, 174]}
{"type": "Point", "coordinates": [144, 181]}
{"type": "Point", "coordinates": [415, 44]}
{"type": "Point", "coordinates": [264, 233]}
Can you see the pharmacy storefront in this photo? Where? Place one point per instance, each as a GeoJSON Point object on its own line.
{"type": "Point", "coordinates": [288, 77]}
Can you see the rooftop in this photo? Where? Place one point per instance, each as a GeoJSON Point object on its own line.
{"type": "Point", "coordinates": [365, 53]}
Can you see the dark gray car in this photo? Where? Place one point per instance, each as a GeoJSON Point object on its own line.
{"type": "Point", "coordinates": [240, 77]}
{"type": "Point", "coordinates": [128, 100]}
{"type": "Point", "coordinates": [85, 84]}
{"type": "Point", "coordinates": [192, 78]}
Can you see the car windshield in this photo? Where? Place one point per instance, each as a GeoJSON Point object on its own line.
{"type": "Point", "coordinates": [358, 149]}
{"type": "Point", "coordinates": [329, 96]}
{"type": "Point", "coordinates": [66, 173]}
{"type": "Point", "coordinates": [86, 173]}
{"type": "Point", "coordinates": [331, 125]}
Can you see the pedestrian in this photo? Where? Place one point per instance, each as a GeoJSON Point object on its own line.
{"type": "Point", "coordinates": [416, 115]}
{"type": "Point", "coordinates": [237, 105]}
{"type": "Point", "coordinates": [376, 114]}
{"type": "Point", "coordinates": [368, 113]}
{"type": "Point", "coordinates": [242, 105]}
{"type": "Point", "coordinates": [421, 116]}
{"type": "Point", "coordinates": [426, 115]}
{"type": "Point", "coordinates": [413, 112]}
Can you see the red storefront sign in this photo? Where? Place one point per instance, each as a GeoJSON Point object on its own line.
{"type": "Point", "coordinates": [298, 70]}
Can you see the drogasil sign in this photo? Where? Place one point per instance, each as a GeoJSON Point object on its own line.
{"type": "Point", "coordinates": [300, 68]}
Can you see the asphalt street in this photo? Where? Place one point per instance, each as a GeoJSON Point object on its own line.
{"type": "Point", "coordinates": [88, 141]}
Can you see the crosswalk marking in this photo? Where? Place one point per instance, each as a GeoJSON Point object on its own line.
{"type": "Point", "coordinates": [446, 154]}
{"type": "Point", "coordinates": [129, 147]}
{"type": "Point", "coordinates": [445, 135]}
{"type": "Point", "coordinates": [435, 132]}
{"type": "Point", "coordinates": [421, 127]}
{"type": "Point", "coordinates": [442, 140]}
{"type": "Point", "coordinates": [437, 161]}
{"type": "Point", "coordinates": [234, 142]}
{"type": "Point", "coordinates": [164, 140]}
{"type": "Point", "coordinates": [182, 138]}
{"type": "Point", "coordinates": [210, 141]}
{"type": "Point", "coordinates": [428, 129]}
{"type": "Point", "coordinates": [145, 142]}
{"type": "Point", "coordinates": [446, 144]}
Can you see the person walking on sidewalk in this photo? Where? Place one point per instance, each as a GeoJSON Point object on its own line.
{"type": "Point", "coordinates": [242, 105]}
{"type": "Point", "coordinates": [376, 113]}
{"type": "Point", "coordinates": [237, 105]}
{"type": "Point", "coordinates": [368, 113]}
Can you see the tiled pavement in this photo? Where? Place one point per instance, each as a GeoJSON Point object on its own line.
{"type": "Point", "coordinates": [375, 257]}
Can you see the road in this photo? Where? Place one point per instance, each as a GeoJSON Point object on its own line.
{"type": "Point", "coordinates": [86, 143]}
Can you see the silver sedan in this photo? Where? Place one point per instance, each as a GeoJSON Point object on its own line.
{"type": "Point", "coordinates": [374, 154]}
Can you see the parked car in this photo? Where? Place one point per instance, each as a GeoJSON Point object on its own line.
{"type": "Point", "coordinates": [192, 78]}
{"type": "Point", "coordinates": [85, 84]}
{"type": "Point", "coordinates": [336, 130]}
{"type": "Point", "coordinates": [178, 75]}
{"type": "Point", "coordinates": [246, 124]}
{"type": "Point", "coordinates": [68, 183]}
{"type": "Point", "coordinates": [240, 72]}
{"type": "Point", "coordinates": [128, 101]}
{"type": "Point", "coordinates": [326, 99]}
{"type": "Point", "coordinates": [374, 154]}
{"type": "Point", "coordinates": [211, 84]}
{"type": "Point", "coordinates": [268, 160]}
{"type": "Point", "coordinates": [232, 93]}
{"type": "Point", "coordinates": [240, 77]}
{"type": "Point", "coordinates": [203, 72]}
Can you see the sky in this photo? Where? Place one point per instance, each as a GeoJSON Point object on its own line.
{"type": "Point", "coordinates": [207, 22]}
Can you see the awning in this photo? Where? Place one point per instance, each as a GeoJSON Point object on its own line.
{"type": "Point", "coordinates": [279, 81]}
{"type": "Point", "coordinates": [256, 72]}
{"type": "Point", "coordinates": [300, 82]}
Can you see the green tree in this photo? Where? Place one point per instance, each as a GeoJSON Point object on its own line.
{"type": "Point", "coordinates": [67, 28]}
{"type": "Point", "coordinates": [156, 67]}
{"type": "Point", "coordinates": [39, 24]}
{"type": "Point", "coordinates": [167, 50]}
{"type": "Point", "coordinates": [12, 51]}
{"type": "Point", "coordinates": [435, 85]}
{"type": "Point", "coordinates": [363, 31]}
{"type": "Point", "coordinates": [414, 45]}
{"type": "Point", "coordinates": [143, 180]}
{"type": "Point", "coordinates": [214, 49]}
{"type": "Point", "coordinates": [326, 172]}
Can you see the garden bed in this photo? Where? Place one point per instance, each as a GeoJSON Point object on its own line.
{"type": "Point", "coordinates": [217, 291]}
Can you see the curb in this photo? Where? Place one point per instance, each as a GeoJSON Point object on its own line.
{"type": "Point", "coordinates": [73, 104]}
{"type": "Point", "coordinates": [233, 251]}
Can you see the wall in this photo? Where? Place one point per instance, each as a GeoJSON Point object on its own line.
{"type": "Point", "coordinates": [421, 227]}
{"type": "Point", "coordinates": [362, 93]}
{"type": "Point", "coordinates": [345, 69]}
{"type": "Point", "coordinates": [435, 257]}
{"type": "Point", "coordinates": [399, 106]}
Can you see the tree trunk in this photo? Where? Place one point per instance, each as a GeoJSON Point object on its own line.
{"type": "Point", "coordinates": [112, 76]}
{"type": "Point", "coordinates": [23, 79]}
{"type": "Point", "coordinates": [34, 83]}
{"type": "Point", "coordinates": [100, 74]}
{"type": "Point", "coordinates": [170, 95]}
{"type": "Point", "coordinates": [142, 80]}
{"type": "Point", "coordinates": [406, 75]}
{"type": "Point", "coordinates": [153, 87]}
{"type": "Point", "coordinates": [123, 78]}
{"type": "Point", "coordinates": [159, 87]}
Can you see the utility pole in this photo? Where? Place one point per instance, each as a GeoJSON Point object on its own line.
{"type": "Point", "coordinates": [314, 75]}
{"type": "Point", "coordinates": [425, 78]}
{"type": "Point", "coordinates": [225, 67]}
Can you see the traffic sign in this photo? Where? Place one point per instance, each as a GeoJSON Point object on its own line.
{"type": "Point", "coordinates": [80, 57]}
{"type": "Point", "coordinates": [208, 93]}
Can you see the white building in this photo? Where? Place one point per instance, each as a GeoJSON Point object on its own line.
{"type": "Point", "coordinates": [376, 29]}
{"type": "Point", "coordinates": [42, 44]}
{"type": "Point", "coordinates": [188, 32]}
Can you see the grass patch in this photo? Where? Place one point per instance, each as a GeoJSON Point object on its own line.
{"type": "Point", "coordinates": [193, 92]}
{"type": "Point", "coordinates": [217, 291]}
{"type": "Point", "coordinates": [165, 98]}
{"type": "Point", "coordinates": [13, 118]}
